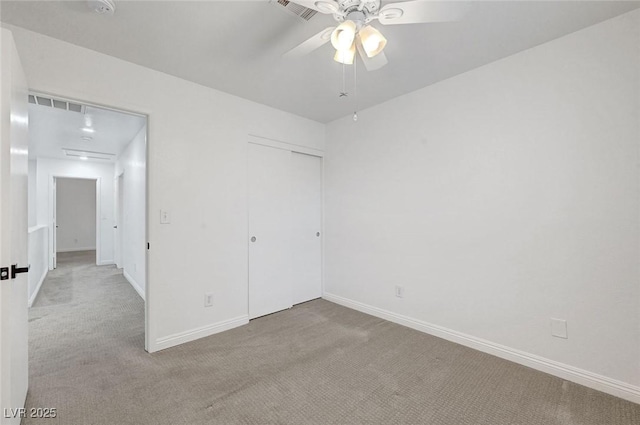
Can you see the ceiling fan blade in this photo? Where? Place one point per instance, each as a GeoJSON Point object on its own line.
{"type": "Point", "coordinates": [420, 11]}
{"type": "Point", "coordinates": [322, 6]}
{"type": "Point", "coordinates": [374, 63]}
{"type": "Point", "coordinates": [311, 44]}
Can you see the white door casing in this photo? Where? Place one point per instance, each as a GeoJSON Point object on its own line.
{"type": "Point", "coordinates": [13, 230]}
{"type": "Point", "coordinates": [119, 226]}
{"type": "Point", "coordinates": [54, 224]}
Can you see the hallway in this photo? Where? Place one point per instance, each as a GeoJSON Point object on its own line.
{"type": "Point", "coordinates": [83, 315]}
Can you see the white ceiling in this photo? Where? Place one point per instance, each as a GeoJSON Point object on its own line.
{"type": "Point", "coordinates": [52, 130]}
{"type": "Point", "coordinates": [237, 46]}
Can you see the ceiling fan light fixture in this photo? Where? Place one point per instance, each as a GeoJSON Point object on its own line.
{"type": "Point", "coordinates": [327, 6]}
{"type": "Point", "coordinates": [346, 56]}
{"type": "Point", "coordinates": [373, 41]}
{"type": "Point", "coordinates": [343, 36]}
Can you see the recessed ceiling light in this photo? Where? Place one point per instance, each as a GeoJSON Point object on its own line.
{"type": "Point", "coordinates": [88, 130]}
{"type": "Point", "coordinates": [86, 138]}
{"type": "Point", "coordinates": [84, 158]}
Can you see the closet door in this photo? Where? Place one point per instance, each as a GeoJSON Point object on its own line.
{"type": "Point", "coordinates": [270, 254]}
{"type": "Point", "coordinates": [306, 238]}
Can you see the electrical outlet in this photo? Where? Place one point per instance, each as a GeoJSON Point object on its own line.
{"type": "Point", "coordinates": [399, 291]}
{"type": "Point", "coordinates": [559, 328]}
{"type": "Point", "coordinates": [208, 299]}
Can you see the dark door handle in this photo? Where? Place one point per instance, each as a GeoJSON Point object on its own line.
{"type": "Point", "coordinates": [115, 227]}
{"type": "Point", "coordinates": [15, 270]}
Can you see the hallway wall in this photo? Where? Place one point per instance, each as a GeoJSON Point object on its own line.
{"type": "Point", "coordinates": [76, 215]}
{"type": "Point", "coordinates": [132, 165]}
{"type": "Point", "coordinates": [38, 259]}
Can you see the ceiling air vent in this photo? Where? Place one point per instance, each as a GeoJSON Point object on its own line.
{"type": "Point", "coordinates": [75, 107]}
{"type": "Point", "coordinates": [295, 9]}
{"type": "Point", "coordinates": [55, 103]}
{"type": "Point", "coordinates": [59, 104]}
{"type": "Point", "coordinates": [44, 101]}
{"type": "Point", "coordinates": [77, 153]}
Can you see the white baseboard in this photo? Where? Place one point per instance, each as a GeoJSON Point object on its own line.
{"type": "Point", "coordinates": [105, 263]}
{"type": "Point", "coordinates": [33, 297]}
{"type": "Point", "coordinates": [133, 283]}
{"type": "Point", "coordinates": [588, 379]}
{"type": "Point", "coordinates": [197, 333]}
{"type": "Point", "coordinates": [76, 249]}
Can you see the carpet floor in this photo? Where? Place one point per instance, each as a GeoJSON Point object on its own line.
{"type": "Point", "coordinates": [317, 363]}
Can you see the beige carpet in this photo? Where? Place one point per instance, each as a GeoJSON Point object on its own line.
{"type": "Point", "coordinates": [316, 363]}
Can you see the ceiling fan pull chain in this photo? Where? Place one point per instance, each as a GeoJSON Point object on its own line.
{"type": "Point", "coordinates": [355, 88]}
{"type": "Point", "coordinates": [343, 93]}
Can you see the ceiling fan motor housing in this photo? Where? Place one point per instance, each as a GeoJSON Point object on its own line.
{"type": "Point", "coordinates": [367, 8]}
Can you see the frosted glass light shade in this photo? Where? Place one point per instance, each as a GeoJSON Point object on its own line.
{"type": "Point", "coordinates": [342, 37]}
{"type": "Point", "coordinates": [346, 56]}
{"type": "Point", "coordinates": [373, 41]}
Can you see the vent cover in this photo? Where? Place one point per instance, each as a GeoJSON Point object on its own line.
{"type": "Point", "coordinates": [77, 153]}
{"type": "Point", "coordinates": [295, 9]}
{"type": "Point", "coordinates": [56, 103]}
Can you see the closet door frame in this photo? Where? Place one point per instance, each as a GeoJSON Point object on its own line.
{"type": "Point", "coordinates": [264, 141]}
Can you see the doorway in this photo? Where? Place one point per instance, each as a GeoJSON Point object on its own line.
{"type": "Point", "coordinates": [77, 151]}
{"type": "Point", "coordinates": [75, 217]}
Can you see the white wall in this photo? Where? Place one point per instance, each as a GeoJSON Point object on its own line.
{"type": "Point", "coordinates": [499, 199]}
{"type": "Point", "coordinates": [48, 168]}
{"type": "Point", "coordinates": [38, 259]}
{"type": "Point", "coordinates": [197, 171]}
{"type": "Point", "coordinates": [131, 164]}
{"type": "Point", "coordinates": [76, 215]}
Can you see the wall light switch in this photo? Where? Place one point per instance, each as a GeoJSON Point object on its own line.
{"type": "Point", "coordinates": [559, 328]}
{"type": "Point", "coordinates": [164, 217]}
{"type": "Point", "coordinates": [208, 299]}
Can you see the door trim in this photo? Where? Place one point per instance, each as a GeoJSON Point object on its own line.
{"type": "Point", "coordinates": [272, 143]}
{"type": "Point", "coordinates": [54, 177]}
{"type": "Point", "coordinates": [139, 110]}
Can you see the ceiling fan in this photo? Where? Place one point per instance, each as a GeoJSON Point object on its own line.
{"type": "Point", "coordinates": [354, 31]}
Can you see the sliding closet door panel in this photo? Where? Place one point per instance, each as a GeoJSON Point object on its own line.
{"type": "Point", "coordinates": [270, 253]}
{"type": "Point", "coordinates": [306, 198]}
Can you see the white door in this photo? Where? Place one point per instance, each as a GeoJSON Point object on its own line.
{"type": "Point", "coordinates": [270, 287]}
{"type": "Point", "coordinates": [54, 225]}
{"type": "Point", "coordinates": [306, 198]}
{"type": "Point", "coordinates": [13, 231]}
